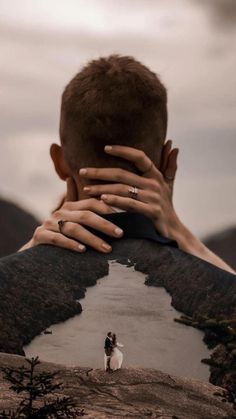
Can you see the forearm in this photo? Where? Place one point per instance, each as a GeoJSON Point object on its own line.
{"type": "Point", "coordinates": [191, 244]}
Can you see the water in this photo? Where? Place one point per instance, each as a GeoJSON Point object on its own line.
{"type": "Point", "coordinates": [142, 318]}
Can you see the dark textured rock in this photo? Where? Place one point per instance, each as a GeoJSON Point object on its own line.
{"type": "Point", "coordinates": [129, 393]}
{"type": "Point", "coordinates": [16, 226]}
{"type": "Point", "coordinates": [41, 297]}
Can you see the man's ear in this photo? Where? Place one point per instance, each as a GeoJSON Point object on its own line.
{"type": "Point", "coordinates": [60, 164]}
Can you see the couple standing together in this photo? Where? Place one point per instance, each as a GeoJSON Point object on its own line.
{"type": "Point", "coordinates": [113, 355]}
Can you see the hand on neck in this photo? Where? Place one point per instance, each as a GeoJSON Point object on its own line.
{"type": "Point", "coordinates": [76, 192]}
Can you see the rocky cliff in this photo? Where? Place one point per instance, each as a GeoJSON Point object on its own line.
{"type": "Point", "coordinates": [129, 393]}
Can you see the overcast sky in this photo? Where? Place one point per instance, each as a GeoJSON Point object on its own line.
{"type": "Point", "coordinates": [190, 43]}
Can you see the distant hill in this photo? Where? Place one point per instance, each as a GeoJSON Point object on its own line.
{"type": "Point", "coordinates": [224, 245]}
{"type": "Point", "coordinates": [16, 227]}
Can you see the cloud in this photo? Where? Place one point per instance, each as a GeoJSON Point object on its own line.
{"type": "Point", "coordinates": [175, 40]}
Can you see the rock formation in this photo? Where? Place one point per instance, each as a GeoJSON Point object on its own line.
{"type": "Point", "coordinates": [129, 393]}
{"type": "Point", "coordinates": [30, 306]}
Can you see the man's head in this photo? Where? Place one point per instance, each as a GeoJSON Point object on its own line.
{"type": "Point", "coordinates": [109, 334]}
{"type": "Point", "coordinates": [113, 100]}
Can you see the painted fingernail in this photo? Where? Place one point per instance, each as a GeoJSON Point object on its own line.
{"type": "Point", "coordinates": [81, 247]}
{"type": "Point", "coordinates": [106, 247]}
{"type": "Point", "coordinates": [108, 148]}
{"type": "Point", "coordinates": [118, 231]}
{"type": "Point", "coordinates": [83, 171]}
{"type": "Point", "coordinates": [104, 197]}
{"type": "Point", "coordinates": [86, 188]}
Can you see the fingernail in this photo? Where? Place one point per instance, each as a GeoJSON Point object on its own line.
{"type": "Point", "coordinates": [81, 247]}
{"type": "Point", "coordinates": [104, 197]}
{"type": "Point", "coordinates": [83, 171]}
{"type": "Point", "coordinates": [118, 231]}
{"type": "Point", "coordinates": [108, 148]}
{"type": "Point", "coordinates": [86, 188]}
{"type": "Point", "coordinates": [106, 247]}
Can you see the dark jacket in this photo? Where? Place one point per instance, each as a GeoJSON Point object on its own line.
{"type": "Point", "coordinates": [108, 346]}
{"type": "Point", "coordinates": [42, 285]}
{"type": "Point", "coordinates": [108, 343]}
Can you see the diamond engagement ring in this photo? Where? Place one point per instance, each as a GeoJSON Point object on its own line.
{"type": "Point", "coordinates": [133, 192]}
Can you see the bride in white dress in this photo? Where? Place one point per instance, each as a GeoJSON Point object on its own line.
{"type": "Point", "coordinates": [117, 355]}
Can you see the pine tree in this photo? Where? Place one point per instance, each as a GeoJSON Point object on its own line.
{"type": "Point", "coordinates": [35, 386]}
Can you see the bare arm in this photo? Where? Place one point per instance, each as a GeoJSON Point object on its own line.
{"type": "Point", "coordinates": [154, 199]}
{"type": "Point", "coordinates": [155, 190]}
{"type": "Point", "coordinates": [191, 244]}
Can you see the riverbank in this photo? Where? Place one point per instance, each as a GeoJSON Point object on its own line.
{"type": "Point", "coordinates": [30, 306]}
{"type": "Point", "coordinates": [143, 319]}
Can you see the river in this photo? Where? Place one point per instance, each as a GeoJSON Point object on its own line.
{"type": "Point", "coordinates": [143, 319]}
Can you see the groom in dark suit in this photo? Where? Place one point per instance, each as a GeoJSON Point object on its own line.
{"type": "Point", "coordinates": [114, 100]}
{"type": "Point", "coordinates": [108, 346]}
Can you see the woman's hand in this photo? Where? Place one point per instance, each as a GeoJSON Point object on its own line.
{"type": "Point", "coordinates": [78, 216]}
{"type": "Point", "coordinates": [153, 196]}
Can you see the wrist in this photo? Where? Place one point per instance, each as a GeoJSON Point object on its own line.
{"type": "Point", "coordinates": [179, 232]}
{"type": "Point", "coordinates": [186, 240]}
{"type": "Point", "coordinates": [175, 227]}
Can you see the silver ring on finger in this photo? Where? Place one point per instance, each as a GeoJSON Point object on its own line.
{"type": "Point", "coordinates": [169, 177]}
{"type": "Point", "coordinates": [61, 223]}
{"type": "Point", "coordinates": [133, 192]}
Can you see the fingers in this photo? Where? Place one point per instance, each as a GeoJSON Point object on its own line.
{"type": "Point", "coordinates": [69, 238]}
{"type": "Point", "coordinates": [76, 223]}
{"type": "Point", "coordinates": [78, 215]}
{"type": "Point", "coordinates": [165, 155]}
{"type": "Point", "coordinates": [78, 231]}
{"type": "Point", "coordinates": [71, 194]}
{"type": "Point", "coordinates": [172, 160]}
{"type": "Point", "coordinates": [149, 195]}
{"type": "Point", "coordinates": [86, 218]}
{"type": "Point", "coordinates": [130, 204]}
{"type": "Point", "coordinates": [43, 236]}
{"type": "Point", "coordinates": [141, 161]}
{"type": "Point", "coordinates": [91, 204]}
{"type": "Point", "coordinates": [138, 157]}
{"type": "Point", "coordinates": [114, 175]}
{"type": "Point", "coordinates": [171, 167]}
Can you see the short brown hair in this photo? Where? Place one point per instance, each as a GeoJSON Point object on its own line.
{"type": "Point", "coordinates": [113, 100]}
